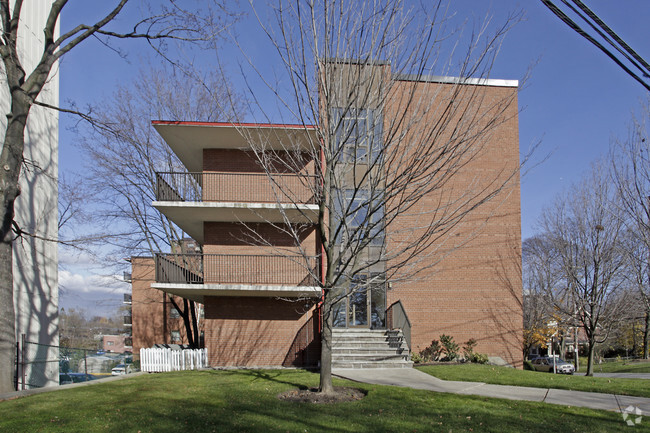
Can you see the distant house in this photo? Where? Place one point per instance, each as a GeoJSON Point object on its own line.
{"type": "Point", "coordinates": [116, 343]}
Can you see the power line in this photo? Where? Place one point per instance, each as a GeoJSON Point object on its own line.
{"type": "Point", "coordinates": [565, 18]}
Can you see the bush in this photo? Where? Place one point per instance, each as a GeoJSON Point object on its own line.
{"type": "Point", "coordinates": [468, 349]}
{"type": "Point", "coordinates": [528, 366]}
{"type": "Point", "coordinates": [450, 347]}
{"type": "Point", "coordinates": [433, 352]}
{"type": "Point", "coordinates": [471, 356]}
{"type": "Point", "coordinates": [479, 358]}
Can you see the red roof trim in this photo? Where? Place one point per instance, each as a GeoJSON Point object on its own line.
{"type": "Point", "coordinates": [244, 125]}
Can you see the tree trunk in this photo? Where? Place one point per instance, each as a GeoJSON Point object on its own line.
{"type": "Point", "coordinates": [590, 357]}
{"type": "Point", "coordinates": [7, 319]}
{"type": "Point", "coordinates": [646, 334]}
{"type": "Point", "coordinates": [10, 161]}
{"type": "Point", "coordinates": [188, 326]}
{"type": "Point", "coordinates": [326, 350]}
{"type": "Point", "coordinates": [194, 326]}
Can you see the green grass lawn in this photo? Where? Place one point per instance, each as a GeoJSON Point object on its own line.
{"type": "Point", "coordinates": [635, 366]}
{"type": "Point", "coordinates": [238, 401]}
{"type": "Point", "coordinates": [510, 376]}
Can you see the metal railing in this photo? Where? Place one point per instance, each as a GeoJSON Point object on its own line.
{"type": "Point", "coordinates": [398, 319]}
{"type": "Point", "coordinates": [292, 270]}
{"type": "Point", "coordinates": [236, 187]}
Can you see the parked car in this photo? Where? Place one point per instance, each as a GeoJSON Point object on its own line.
{"type": "Point", "coordinates": [81, 377]}
{"type": "Point", "coordinates": [65, 379]}
{"type": "Point", "coordinates": [121, 369]}
{"type": "Point", "coordinates": [545, 363]}
{"type": "Point", "coordinates": [68, 378]}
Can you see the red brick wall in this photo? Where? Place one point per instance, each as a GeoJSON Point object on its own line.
{"type": "Point", "coordinates": [473, 289]}
{"type": "Point", "coordinates": [237, 175]}
{"type": "Point", "coordinates": [113, 343]}
{"type": "Point", "coordinates": [241, 161]}
{"type": "Point", "coordinates": [247, 331]}
{"type": "Point", "coordinates": [150, 308]}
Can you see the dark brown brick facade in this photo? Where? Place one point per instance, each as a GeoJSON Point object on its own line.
{"type": "Point", "coordinates": [251, 331]}
{"type": "Point", "coordinates": [151, 309]}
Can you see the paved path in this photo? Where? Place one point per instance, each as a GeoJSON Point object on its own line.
{"type": "Point", "coordinates": [412, 378]}
{"type": "Point", "coordinates": [16, 394]}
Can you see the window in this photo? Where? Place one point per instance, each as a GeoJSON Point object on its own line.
{"type": "Point", "coordinates": [109, 343]}
{"type": "Point", "coordinates": [363, 215]}
{"type": "Point", "coordinates": [173, 313]}
{"type": "Point", "coordinates": [358, 134]}
{"type": "Point", "coordinates": [176, 337]}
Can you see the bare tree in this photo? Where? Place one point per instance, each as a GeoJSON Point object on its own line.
{"type": "Point", "coordinates": [630, 168]}
{"type": "Point", "coordinates": [584, 232]}
{"type": "Point", "coordinates": [125, 154]}
{"type": "Point", "coordinates": [540, 276]}
{"type": "Point", "coordinates": [169, 22]}
{"type": "Point", "coordinates": [391, 145]}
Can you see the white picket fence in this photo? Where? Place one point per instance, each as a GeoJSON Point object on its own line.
{"type": "Point", "coordinates": [156, 360]}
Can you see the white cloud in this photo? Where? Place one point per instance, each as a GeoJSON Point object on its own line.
{"type": "Point", "coordinates": [74, 282]}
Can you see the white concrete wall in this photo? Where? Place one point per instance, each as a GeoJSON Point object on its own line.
{"type": "Point", "coordinates": [35, 271]}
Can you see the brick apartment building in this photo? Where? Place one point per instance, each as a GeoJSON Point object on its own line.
{"type": "Point", "coordinates": [116, 343]}
{"type": "Point", "coordinates": [260, 287]}
{"type": "Point", "coordinates": [154, 319]}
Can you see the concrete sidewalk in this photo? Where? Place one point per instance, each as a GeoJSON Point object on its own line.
{"type": "Point", "coordinates": [412, 378]}
{"type": "Point", "coordinates": [33, 391]}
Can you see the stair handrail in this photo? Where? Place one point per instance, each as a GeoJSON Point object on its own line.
{"type": "Point", "coordinates": [400, 320]}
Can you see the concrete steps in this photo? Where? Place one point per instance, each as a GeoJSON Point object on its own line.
{"type": "Point", "coordinates": [369, 348]}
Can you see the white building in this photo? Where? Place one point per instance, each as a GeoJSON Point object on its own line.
{"type": "Point", "coordinates": [35, 268]}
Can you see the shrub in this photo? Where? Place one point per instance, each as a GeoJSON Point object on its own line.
{"type": "Point", "coordinates": [450, 347]}
{"type": "Point", "coordinates": [468, 349]}
{"type": "Point", "coordinates": [479, 358]}
{"type": "Point", "coordinates": [471, 356]}
{"type": "Point", "coordinates": [417, 358]}
{"type": "Point", "coordinates": [433, 352]}
{"type": "Point", "coordinates": [528, 366]}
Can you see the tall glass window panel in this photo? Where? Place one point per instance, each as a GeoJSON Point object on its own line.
{"type": "Point", "coordinates": [358, 134]}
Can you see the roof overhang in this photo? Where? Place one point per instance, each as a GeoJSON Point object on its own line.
{"type": "Point", "coordinates": [190, 216]}
{"type": "Point", "coordinates": [188, 139]}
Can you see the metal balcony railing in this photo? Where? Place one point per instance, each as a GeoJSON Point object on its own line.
{"type": "Point", "coordinates": [236, 187]}
{"type": "Point", "coordinates": [237, 269]}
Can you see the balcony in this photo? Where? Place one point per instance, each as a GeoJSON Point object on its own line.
{"type": "Point", "coordinates": [195, 276]}
{"type": "Point", "coordinates": [190, 199]}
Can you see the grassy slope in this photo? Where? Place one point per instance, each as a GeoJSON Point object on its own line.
{"type": "Point", "coordinates": [511, 376]}
{"type": "Point", "coordinates": [619, 366]}
{"type": "Point", "coordinates": [246, 401]}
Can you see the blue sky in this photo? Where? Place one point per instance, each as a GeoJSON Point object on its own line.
{"type": "Point", "coordinates": [575, 101]}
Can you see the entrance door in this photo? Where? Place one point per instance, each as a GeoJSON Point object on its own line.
{"type": "Point", "coordinates": [358, 309]}
{"type": "Point", "coordinates": [363, 307]}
